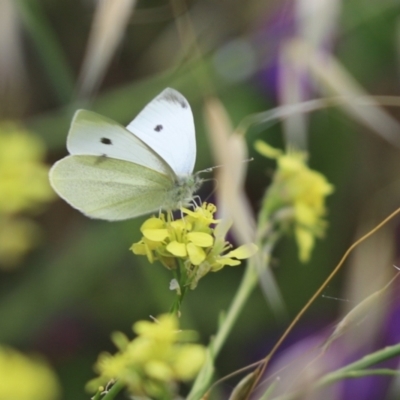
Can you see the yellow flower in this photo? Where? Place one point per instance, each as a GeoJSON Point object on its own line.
{"type": "Point", "coordinates": [154, 361]}
{"type": "Point", "coordinates": [24, 184]}
{"type": "Point", "coordinates": [196, 243]}
{"type": "Point", "coordinates": [17, 236]}
{"type": "Point", "coordinates": [24, 378]}
{"type": "Point", "coordinates": [221, 254]}
{"type": "Point", "coordinates": [202, 217]}
{"type": "Point", "coordinates": [300, 192]}
{"type": "Point", "coordinates": [192, 247]}
{"type": "Point", "coordinates": [154, 232]}
{"type": "Point", "coordinates": [219, 258]}
{"type": "Point", "coordinates": [24, 187]}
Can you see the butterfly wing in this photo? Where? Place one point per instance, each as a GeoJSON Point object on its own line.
{"type": "Point", "coordinates": [93, 134]}
{"type": "Point", "coordinates": [166, 125]}
{"type": "Point", "coordinates": [107, 188]}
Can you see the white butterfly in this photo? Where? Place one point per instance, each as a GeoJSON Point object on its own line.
{"type": "Point", "coordinates": [116, 173]}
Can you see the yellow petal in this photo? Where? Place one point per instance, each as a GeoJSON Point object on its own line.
{"type": "Point", "coordinates": [156, 235]}
{"type": "Point", "coordinates": [120, 340]}
{"type": "Point", "coordinates": [221, 262]}
{"type": "Point", "coordinates": [177, 249]}
{"type": "Point", "coordinates": [203, 214]}
{"type": "Point", "coordinates": [26, 378]}
{"type": "Point", "coordinates": [189, 360]}
{"type": "Point", "coordinates": [196, 254]}
{"type": "Point", "coordinates": [293, 163]}
{"type": "Point", "coordinates": [150, 255]}
{"type": "Point", "coordinates": [242, 252]}
{"type": "Point", "coordinates": [151, 244]}
{"type": "Point", "coordinates": [179, 224]}
{"type": "Point", "coordinates": [142, 249]}
{"type": "Point", "coordinates": [267, 150]}
{"type": "Point", "coordinates": [163, 330]}
{"type": "Point", "coordinates": [158, 370]}
{"type": "Point", "coordinates": [305, 215]}
{"type": "Point", "coordinates": [152, 223]}
{"type": "Point", "coordinates": [138, 249]}
{"type": "Point", "coordinates": [200, 239]}
{"type": "Point", "coordinates": [305, 242]}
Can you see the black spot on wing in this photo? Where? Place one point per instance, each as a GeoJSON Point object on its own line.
{"type": "Point", "coordinates": [174, 97]}
{"type": "Point", "coordinates": [158, 128]}
{"type": "Point", "coordinates": [105, 140]}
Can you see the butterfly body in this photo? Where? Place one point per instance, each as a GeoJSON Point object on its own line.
{"type": "Point", "coordinates": [116, 173]}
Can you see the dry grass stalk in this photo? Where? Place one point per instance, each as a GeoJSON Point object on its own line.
{"type": "Point", "coordinates": [109, 24]}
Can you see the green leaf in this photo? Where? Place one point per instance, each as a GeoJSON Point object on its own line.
{"type": "Point", "coordinates": [203, 379]}
{"type": "Point", "coordinates": [244, 388]}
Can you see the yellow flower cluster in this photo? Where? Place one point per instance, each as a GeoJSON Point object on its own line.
{"type": "Point", "coordinates": [23, 378]}
{"type": "Point", "coordinates": [24, 188]}
{"type": "Point", "coordinates": [196, 242]}
{"type": "Point", "coordinates": [152, 363]}
{"type": "Point", "coordinates": [23, 177]}
{"type": "Point", "coordinates": [296, 197]}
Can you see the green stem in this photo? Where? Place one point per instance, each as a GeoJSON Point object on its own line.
{"type": "Point", "coordinates": [368, 372]}
{"type": "Point", "coordinates": [117, 387]}
{"type": "Point", "coordinates": [362, 364]}
{"type": "Point", "coordinates": [181, 277]}
{"type": "Point", "coordinates": [97, 396]}
{"type": "Point", "coordinates": [356, 369]}
{"type": "Point", "coordinates": [246, 287]}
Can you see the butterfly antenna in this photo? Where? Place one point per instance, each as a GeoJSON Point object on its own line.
{"type": "Point", "coordinates": [214, 189]}
{"type": "Point", "coordinates": [211, 169]}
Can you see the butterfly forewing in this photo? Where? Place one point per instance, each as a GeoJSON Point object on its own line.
{"type": "Point", "coordinates": [93, 134]}
{"type": "Point", "coordinates": [166, 125]}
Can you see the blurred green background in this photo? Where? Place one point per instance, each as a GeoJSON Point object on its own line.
{"type": "Point", "coordinates": [64, 297]}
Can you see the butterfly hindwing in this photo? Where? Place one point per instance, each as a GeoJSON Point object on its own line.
{"type": "Point", "coordinates": [108, 188]}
